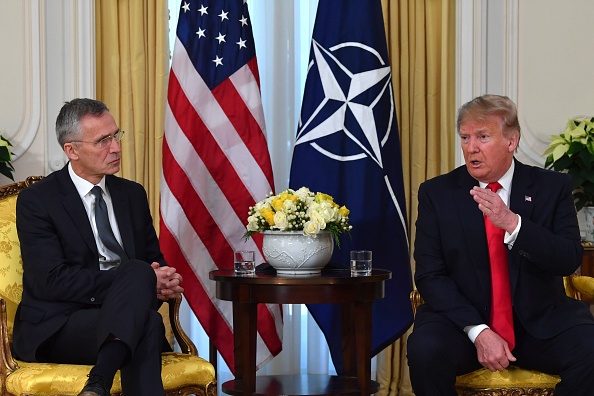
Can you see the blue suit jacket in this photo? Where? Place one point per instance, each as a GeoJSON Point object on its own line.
{"type": "Point", "coordinates": [452, 265]}
{"type": "Point", "coordinates": [60, 257]}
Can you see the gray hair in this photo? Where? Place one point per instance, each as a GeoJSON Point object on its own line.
{"type": "Point", "coordinates": [484, 106]}
{"type": "Point", "coordinates": [68, 121]}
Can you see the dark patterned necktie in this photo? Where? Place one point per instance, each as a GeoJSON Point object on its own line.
{"type": "Point", "coordinates": [501, 321]}
{"type": "Point", "coordinates": [104, 227]}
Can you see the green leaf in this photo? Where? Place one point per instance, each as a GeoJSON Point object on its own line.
{"type": "Point", "coordinates": [563, 163]}
{"type": "Point", "coordinates": [560, 151]}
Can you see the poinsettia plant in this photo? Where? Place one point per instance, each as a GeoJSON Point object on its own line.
{"type": "Point", "coordinates": [573, 152]}
{"type": "Point", "coordinates": [6, 167]}
{"type": "Point", "coordinates": [299, 210]}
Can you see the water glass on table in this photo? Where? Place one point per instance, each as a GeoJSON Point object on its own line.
{"type": "Point", "coordinates": [244, 262]}
{"type": "Point", "coordinates": [360, 262]}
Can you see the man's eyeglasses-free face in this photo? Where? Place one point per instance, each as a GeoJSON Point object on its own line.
{"type": "Point", "coordinates": [106, 141]}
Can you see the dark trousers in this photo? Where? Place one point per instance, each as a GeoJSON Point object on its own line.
{"type": "Point", "coordinates": [438, 352]}
{"type": "Point", "coordinates": [129, 314]}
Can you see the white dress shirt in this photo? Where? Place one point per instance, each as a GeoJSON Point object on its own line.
{"type": "Point", "coordinates": [106, 260]}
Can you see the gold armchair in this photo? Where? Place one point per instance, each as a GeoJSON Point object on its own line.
{"type": "Point", "coordinates": [183, 373]}
{"type": "Point", "coordinates": [515, 381]}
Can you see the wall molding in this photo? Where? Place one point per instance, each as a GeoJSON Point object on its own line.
{"type": "Point", "coordinates": [33, 66]}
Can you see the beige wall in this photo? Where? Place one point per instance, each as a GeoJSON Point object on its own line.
{"type": "Point", "coordinates": [46, 58]}
{"type": "Point", "coordinates": [538, 52]}
{"type": "Point", "coordinates": [555, 68]}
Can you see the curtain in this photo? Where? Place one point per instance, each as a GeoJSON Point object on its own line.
{"type": "Point", "coordinates": [421, 43]}
{"type": "Point", "coordinates": [132, 71]}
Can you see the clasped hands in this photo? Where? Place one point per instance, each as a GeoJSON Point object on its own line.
{"type": "Point", "coordinates": [495, 209]}
{"type": "Point", "coordinates": [168, 282]}
{"type": "Point", "coordinates": [492, 351]}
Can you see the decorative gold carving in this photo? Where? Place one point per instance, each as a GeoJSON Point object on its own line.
{"type": "Point", "coordinates": [505, 391]}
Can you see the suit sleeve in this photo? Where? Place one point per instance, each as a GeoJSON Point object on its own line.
{"type": "Point", "coordinates": [147, 243]}
{"type": "Point", "coordinates": [549, 238]}
{"type": "Point", "coordinates": [434, 272]}
{"type": "Point", "coordinates": [57, 263]}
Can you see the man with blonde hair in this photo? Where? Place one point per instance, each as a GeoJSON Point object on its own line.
{"type": "Point", "coordinates": [494, 239]}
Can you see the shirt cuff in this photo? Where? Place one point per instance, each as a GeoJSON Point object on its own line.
{"type": "Point", "coordinates": [474, 331]}
{"type": "Point", "coordinates": [510, 239]}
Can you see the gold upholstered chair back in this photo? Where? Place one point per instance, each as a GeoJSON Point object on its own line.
{"type": "Point", "coordinates": [514, 380]}
{"type": "Point", "coordinates": [183, 373]}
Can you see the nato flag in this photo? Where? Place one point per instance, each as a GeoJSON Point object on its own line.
{"type": "Point", "coordinates": [348, 146]}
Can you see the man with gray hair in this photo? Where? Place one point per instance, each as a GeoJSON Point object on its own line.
{"type": "Point", "coordinates": [94, 274]}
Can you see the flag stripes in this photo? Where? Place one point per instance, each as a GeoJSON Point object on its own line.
{"type": "Point", "coordinates": [215, 165]}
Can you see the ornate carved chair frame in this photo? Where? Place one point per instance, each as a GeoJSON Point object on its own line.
{"type": "Point", "coordinates": [183, 373]}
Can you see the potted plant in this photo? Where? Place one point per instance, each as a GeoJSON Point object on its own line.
{"type": "Point", "coordinates": [573, 152]}
{"type": "Point", "coordinates": [300, 228]}
{"type": "Point", "coordinates": [6, 167]}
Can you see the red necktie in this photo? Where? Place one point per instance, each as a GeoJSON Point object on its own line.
{"type": "Point", "coordinates": [501, 321]}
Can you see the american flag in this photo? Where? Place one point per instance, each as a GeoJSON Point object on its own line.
{"type": "Point", "coordinates": [215, 163]}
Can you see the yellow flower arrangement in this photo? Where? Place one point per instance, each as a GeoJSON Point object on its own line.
{"type": "Point", "coordinates": [298, 210]}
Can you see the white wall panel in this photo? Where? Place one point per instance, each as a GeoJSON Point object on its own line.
{"type": "Point", "coordinates": [555, 67]}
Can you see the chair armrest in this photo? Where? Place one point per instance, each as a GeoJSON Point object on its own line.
{"type": "Point", "coordinates": [185, 343]}
{"type": "Point", "coordinates": [7, 362]}
{"type": "Point", "coordinates": [415, 300]}
{"type": "Point", "coordinates": [584, 286]}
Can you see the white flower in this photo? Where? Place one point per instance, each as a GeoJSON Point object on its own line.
{"type": "Point", "coordinates": [253, 221]}
{"type": "Point", "coordinates": [280, 220]}
{"type": "Point", "coordinates": [311, 228]}
{"type": "Point", "coordinates": [317, 218]}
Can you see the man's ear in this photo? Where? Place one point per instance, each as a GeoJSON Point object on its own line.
{"type": "Point", "coordinates": [513, 142]}
{"type": "Point", "coordinates": [71, 151]}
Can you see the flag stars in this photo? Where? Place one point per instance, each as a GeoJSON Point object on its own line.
{"type": "Point", "coordinates": [243, 20]}
{"type": "Point", "coordinates": [223, 15]}
{"type": "Point", "coordinates": [241, 43]}
{"type": "Point", "coordinates": [218, 61]}
{"type": "Point", "coordinates": [186, 7]}
{"type": "Point", "coordinates": [203, 10]}
{"type": "Point", "coordinates": [201, 32]}
{"type": "Point", "coordinates": [221, 38]}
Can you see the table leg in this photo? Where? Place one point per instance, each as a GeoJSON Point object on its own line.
{"type": "Point", "coordinates": [363, 341]}
{"type": "Point", "coordinates": [356, 343]}
{"type": "Point", "coordinates": [244, 336]}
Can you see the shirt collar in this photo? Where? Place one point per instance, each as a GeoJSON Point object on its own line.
{"type": "Point", "coordinates": [505, 180]}
{"type": "Point", "coordinates": [83, 186]}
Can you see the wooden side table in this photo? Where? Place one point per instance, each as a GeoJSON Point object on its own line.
{"type": "Point", "coordinates": [587, 267]}
{"type": "Point", "coordinates": [336, 286]}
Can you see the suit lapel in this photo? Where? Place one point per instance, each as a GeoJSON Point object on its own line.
{"type": "Point", "coordinates": [75, 208]}
{"type": "Point", "coordinates": [520, 202]}
{"type": "Point", "coordinates": [473, 230]}
{"type": "Point", "coordinates": [121, 205]}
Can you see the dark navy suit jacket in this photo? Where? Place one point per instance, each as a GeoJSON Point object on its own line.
{"type": "Point", "coordinates": [452, 265]}
{"type": "Point", "coordinates": [60, 257]}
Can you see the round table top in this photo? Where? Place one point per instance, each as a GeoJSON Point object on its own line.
{"type": "Point", "coordinates": [326, 277]}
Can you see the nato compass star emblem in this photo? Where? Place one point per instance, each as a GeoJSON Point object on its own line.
{"type": "Point", "coordinates": [356, 101]}
{"type": "Point", "coordinates": [350, 103]}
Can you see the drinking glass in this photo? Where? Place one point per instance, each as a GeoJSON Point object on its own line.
{"type": "Point", "coordinates": [244, 263]}
{"type": "Point", "coordinates": [360, 262]}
